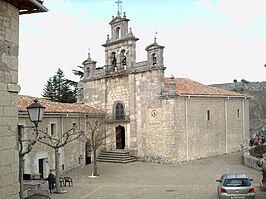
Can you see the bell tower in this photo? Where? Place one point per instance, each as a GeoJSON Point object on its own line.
{"type": "Point", "coordinates": [155, 55]}
{"type": "Point", "coordinates": [120, 48]}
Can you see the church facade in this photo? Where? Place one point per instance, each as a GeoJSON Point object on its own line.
{"type": "Point", "coordinates": [158, 118]}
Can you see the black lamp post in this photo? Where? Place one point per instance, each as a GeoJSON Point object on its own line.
{"type": "Point", "coordinates": [35, 111]}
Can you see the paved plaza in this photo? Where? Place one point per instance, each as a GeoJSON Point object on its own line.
{"type": "Point", "coordinates": [140, 180]}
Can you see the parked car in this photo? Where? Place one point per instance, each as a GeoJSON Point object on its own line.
{"type": "Point", "coordinates": [235, 186]}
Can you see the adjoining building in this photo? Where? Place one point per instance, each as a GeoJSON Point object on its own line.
{"type": "Point", "coordinates": [58, 119]}
{"type": "Point", "coordinates": [158, 118]}
{"type": "Point", "coordinates": [9, 88]}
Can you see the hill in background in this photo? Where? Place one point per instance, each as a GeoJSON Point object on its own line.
{"type": "Point", "coordinates": [257, 110]}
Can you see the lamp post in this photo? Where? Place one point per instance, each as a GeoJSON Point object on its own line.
{"type": "Point", "coordinates": [35, 111]}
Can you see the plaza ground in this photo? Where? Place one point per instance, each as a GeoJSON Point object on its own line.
{"type": "Point", "coordinates": [140, 180]}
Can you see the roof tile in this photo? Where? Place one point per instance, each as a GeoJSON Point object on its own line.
{"type": "Point", "coordinates": [57, 107]}
{"type": "Point", "coordinates": [186, 86]}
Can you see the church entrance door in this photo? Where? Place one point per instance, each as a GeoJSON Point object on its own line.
{"type": "Point", "coordinates": [120, 137]}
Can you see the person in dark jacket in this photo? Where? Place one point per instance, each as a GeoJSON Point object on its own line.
{"type": "Point", "coordinates": [263, 139]}
{"type": "Point", "coordinates": [251, 142]}
{"type": "Point", "coordinates": [51, 181]}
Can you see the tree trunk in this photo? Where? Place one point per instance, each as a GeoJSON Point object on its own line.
{"type": "Point", "coordinates": [94, 163]}
{"type": "Point", "coordinates": [21, 172]}
{"type": "Point", "coordinates": [57, 173]}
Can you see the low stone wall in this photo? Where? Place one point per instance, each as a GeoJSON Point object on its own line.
{"type": "Point", "coordinates": [252, 161]}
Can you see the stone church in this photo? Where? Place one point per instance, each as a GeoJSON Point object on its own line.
{"type": "Point", "coordinates": [158, 118]}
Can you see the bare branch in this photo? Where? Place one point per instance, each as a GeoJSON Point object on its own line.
{"type": "Point", "coordinates": [26, 139]}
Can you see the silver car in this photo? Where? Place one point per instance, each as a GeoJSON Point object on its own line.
{"type": "Point", "coordinates": [237, 186]}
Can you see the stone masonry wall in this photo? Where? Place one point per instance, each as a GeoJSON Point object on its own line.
{"type": "Point", "coordinates": [238, 127]}
{"type": "Point", "coordinates": [94, 92]}
{"type": "Point", "coordinates": [135, 92]}
{"type": "Point", "coordinates": [148, 90]}
{"type": "Point", "coordinates": [9, 31]}
{"type": "Point", "coordinates": [177, 134]}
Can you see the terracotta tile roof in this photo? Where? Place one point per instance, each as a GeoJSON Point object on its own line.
{"type": "Point", "coordinates": [56, 107]}
{"type": "Point", "coordinates": [186, 86]}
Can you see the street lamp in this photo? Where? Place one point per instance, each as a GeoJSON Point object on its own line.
{"type": "Point", "coordinates": [35, 111]}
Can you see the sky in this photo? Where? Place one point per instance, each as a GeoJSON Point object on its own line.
{"type": "Point", "coordinates": [208, 41]}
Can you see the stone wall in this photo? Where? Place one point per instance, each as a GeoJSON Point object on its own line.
{"type": "Point", "coordinates": [257, 103]}
{"type": "Point", "coordinates": [9, 33]}
{"type": "Point", "coordinates": [252, 161]}
{"type": "Point", "coordinates": [181, 131]}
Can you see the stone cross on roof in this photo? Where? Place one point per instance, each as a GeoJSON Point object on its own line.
{"type": "Point", "coordinates": [155, 37]}
{"type": "Point", "coordinates": [118, 6]}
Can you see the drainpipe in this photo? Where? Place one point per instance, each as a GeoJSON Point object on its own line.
{"type": "Point", "coordinates": [226, 123]}
{"type": "Point", "coordinates": [62, 140]}
{"type": "Point", "coordinates": [243, 119]}
{"type": "Point", "coordinates": [84, 143]}
{"type": "Point", "coordinates": [186, 122]}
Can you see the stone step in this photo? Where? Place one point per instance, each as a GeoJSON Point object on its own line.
{"type": "Point", "coordinates": [117, 156]}
{"type": "Point", "coordinates": [115, 152]}
{"type": "Point", "coordinates": [116, 161]}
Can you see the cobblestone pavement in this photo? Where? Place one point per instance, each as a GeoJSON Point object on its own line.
{"type": "Point", "coordinates": [139, 180]}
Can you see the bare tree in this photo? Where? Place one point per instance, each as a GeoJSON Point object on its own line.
{"type": "Point", "coordinates": [96, 134]}
{"type": "Point", "coordinates": [56, 142]}
{"type": "Point", "coordinates": [26, 140]}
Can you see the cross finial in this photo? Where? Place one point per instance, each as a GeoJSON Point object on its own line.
{"type": "Point", "coordinates": [118, 6]}
{"type": "Point", "coordinates": [89, 54]}
{"type": "Point", "coordinates": [155, 36]}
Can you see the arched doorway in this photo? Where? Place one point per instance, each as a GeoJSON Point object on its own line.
{"type": "Point", "coordinates": [120, 137]}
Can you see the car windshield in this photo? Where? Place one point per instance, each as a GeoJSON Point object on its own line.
{"type": "Point", "coordinates": [237, 182]}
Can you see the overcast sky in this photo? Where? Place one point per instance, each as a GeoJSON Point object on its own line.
{"type": "Point", "coordinates": [209, 41]}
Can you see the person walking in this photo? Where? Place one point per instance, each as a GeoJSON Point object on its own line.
{"type": "Point", "coordinates": [51, 181]}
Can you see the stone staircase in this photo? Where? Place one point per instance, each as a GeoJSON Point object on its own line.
{"type": "Point", "coordinates": [116, 156]}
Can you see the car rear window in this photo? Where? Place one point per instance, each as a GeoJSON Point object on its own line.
{"type": "Point", "coordinates": [237, 182]}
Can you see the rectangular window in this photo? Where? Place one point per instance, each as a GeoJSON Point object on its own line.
{"type": "Point", "coordinates": [208, 115]}
{"type": "Point", "coordinates": [238, 113]}
{"type": "Point", "coordinates": [53, 129]}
